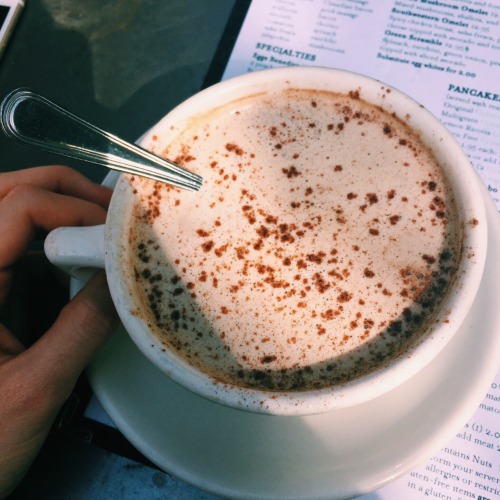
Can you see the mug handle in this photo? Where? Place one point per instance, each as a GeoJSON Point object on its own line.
{"type": "Point", "coordinates": [78, 251]}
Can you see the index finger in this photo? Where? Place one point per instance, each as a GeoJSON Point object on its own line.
{"type": "Point", "coordinates": [59, 179]}
{"type": "Point", "coordinates": [27, 210]}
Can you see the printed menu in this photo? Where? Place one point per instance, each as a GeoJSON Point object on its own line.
{"type": "Point", "coordinates": [446, 55]}
{"type": "Point", "coordinates": [443, 53]}
{"type": "Point", "coordinates": [468, 467]}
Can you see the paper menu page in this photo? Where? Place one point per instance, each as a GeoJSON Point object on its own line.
{"type": "Point", "coordinates": [446, 55]}
{"type": "Point", "coordinates": [468, 467]}
{"type": "Point", "coordinates": [443, 53]}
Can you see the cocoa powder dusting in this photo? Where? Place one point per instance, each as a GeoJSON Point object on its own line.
{"type": "Point", "coordinates": [274, 283]}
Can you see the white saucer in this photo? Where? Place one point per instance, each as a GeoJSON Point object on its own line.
{"type": "Point", "coordinates": [336, 455]}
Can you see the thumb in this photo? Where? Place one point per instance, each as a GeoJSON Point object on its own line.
{"type": "Point", "coordinates": [83, 326]}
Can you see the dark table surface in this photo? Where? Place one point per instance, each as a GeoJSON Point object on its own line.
{"type": "Point", "coordinates": [122, 65]}
{"type": "Point", "coordinates": [119, 64]}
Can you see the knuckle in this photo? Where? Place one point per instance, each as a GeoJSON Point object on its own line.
{"type": "Point", "coordinates": [22, 192]}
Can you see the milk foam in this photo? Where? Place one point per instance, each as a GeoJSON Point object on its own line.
{"type": "Point", "coordinates": [320, 245]}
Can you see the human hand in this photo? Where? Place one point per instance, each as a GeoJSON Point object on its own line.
{"type": "Point", "coordinates": [36, 381]}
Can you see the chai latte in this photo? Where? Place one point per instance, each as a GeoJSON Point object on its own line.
{"type": "Point", "coordinates": [319, 247]}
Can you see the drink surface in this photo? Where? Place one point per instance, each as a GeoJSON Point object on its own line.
{"type": "Point", "coordinates": [319, 247]}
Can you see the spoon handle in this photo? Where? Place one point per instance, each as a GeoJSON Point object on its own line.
{"type": "Point", "coordinates": [35, 121]}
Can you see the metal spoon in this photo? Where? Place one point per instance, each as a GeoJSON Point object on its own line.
{"type": "Point", "coordinates": [35, 121]}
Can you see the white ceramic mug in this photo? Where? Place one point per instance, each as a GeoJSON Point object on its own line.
{"type": "Point", "coordinates": [80, 250]}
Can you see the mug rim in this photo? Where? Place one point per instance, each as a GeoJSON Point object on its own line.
{"type": "Point", "coordinates": [459, 299]}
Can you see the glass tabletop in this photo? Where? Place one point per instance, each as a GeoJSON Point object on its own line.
{"type": "Point", "coordinates": [122, 66]}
